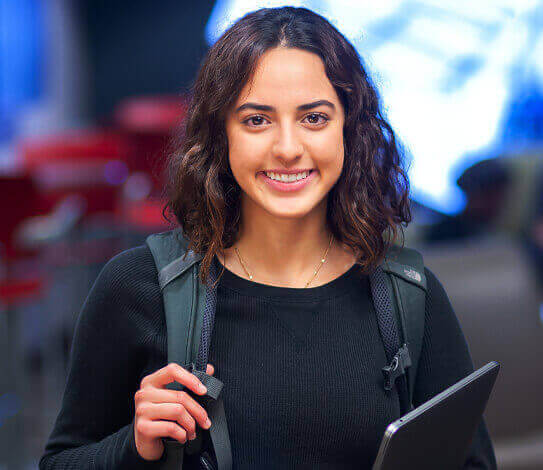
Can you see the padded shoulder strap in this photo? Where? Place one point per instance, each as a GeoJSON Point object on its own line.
{"type": "Point", "coordinates": [405, 268]}
{"type": "Point", "coordinates": [182, 294]}
{"type": "Point", "coordinates": [189, 308]}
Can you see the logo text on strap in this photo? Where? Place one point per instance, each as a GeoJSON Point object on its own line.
{"type": "Point", "coordinates": [413, 274]}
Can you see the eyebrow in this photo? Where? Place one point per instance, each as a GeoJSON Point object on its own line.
{"type": "Point", "coordinates": [302, 107]}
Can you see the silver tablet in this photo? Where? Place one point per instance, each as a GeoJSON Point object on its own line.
{"type": "Point", "coordinates": [438, 433]}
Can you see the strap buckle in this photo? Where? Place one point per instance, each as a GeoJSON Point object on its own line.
{"type": "Point", "coordinates": [396, 368]}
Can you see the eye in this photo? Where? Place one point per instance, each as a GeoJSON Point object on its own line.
{"type": "Point", "coordinates": [253, 118]}
{"type": "Point", "coordinates": [257, 119]}
{"type": "Point", "coordinates": [318, 115]}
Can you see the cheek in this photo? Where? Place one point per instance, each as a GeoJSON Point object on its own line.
{"type": "Point", "coordinates": [245, 150]}
{"type": "Point", "coordinates": [329, 157]}
{"type": "Point", "coordinates": [240, 156]}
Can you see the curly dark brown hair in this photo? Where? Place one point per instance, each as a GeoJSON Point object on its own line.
{"type": "Point", "coordinates": [370, 200]}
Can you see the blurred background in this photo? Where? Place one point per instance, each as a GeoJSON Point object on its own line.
{"type": "Point", "coordinates": [91, 91]}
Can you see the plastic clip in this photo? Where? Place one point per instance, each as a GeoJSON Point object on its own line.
{"type": "Point", "coordinates": [399, 363]}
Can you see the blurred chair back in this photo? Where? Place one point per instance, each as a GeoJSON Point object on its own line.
{"type": "Point", "coordinates": [18, 200]}
{"type": "Point", "coordinates": [88, 163]}
{"type": "Point", "coordinates": [520, 203]}
{"type": "Point", "coordinates": [149, 123]}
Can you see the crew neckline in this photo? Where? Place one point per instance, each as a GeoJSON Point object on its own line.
{"type": "Point", "coordinates": [333, 288]}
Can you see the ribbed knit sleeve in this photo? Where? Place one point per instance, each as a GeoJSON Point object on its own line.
{"type": "Point", "coordinates": [445, 359]}
{"type": "Point", "coordinates": [113, 336]}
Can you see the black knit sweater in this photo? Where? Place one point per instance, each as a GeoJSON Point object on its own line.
{"type": "Point", "coordinates": [289, 358]}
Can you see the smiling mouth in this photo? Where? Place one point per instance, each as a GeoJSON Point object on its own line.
{"type": "Point", "coordinates": [309, 172]}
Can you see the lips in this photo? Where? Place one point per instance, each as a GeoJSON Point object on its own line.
{"type": "Point", "coordinates": [288, 187]}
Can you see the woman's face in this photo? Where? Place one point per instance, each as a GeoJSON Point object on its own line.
{"type": "Point", "coordinates": [281, 127]}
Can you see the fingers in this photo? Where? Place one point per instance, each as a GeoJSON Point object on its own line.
{"type": "Point", "coordinates": [173, 372]}
{"type": "Point", "coordinates": [151, 397]}
{"type": "Point", "coordinates": [161, 412]}
{"type": "Point", "coordinates": [151, 430]}
{"type": "Point", "coordinates": [171, 412]}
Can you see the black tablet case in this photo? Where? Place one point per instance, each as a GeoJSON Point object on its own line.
{"type": "Point", "coordinates": [438, 433]}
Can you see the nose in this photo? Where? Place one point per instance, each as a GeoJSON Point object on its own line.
{"type": "Point", "coordinates": [288, 148]}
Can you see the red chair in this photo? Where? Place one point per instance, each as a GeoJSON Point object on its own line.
{"type": "Point", "coordinates": [149, 123]}
{"type": "Point", "coordinates": [91, 164]}
{"type": "Point", "coordinates": [20, 278]}
{"type": "Point", "coordinates": [18, 200]}
{"type": "Point", "coordinates": [19, 271]}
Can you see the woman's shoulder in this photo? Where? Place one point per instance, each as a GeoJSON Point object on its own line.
{"type": "Point", "coordinates": [125, 299]}
{"type": "Point", "coordinates": [130, 272]}
{"type": "Point", "coordinates": [134, 258]}
{"type": "Point", "coordinates": [433, 284]}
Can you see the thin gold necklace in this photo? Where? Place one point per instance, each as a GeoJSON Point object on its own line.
{"type": "Point", "coordinates": [314, 275]}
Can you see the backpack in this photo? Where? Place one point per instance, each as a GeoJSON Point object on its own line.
{"type": "Point", "coordinates": [398, 288]}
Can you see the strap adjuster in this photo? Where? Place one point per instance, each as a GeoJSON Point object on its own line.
{"type": "Point", "coordinates": [214, 387]}
{"type": "Point", "coordinates": [213, 384]}
{"type": "Point", "coordinates": [396, 368]}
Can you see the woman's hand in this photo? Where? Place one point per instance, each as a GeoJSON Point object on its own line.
{"type": "Point", "coordinates": [161, 412]}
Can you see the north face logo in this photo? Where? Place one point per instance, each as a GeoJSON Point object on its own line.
{"type": "Point", "coordinates": [413, 274]}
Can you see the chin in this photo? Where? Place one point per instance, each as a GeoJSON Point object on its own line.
{"type": "Point", "coordinates": [290, 213]}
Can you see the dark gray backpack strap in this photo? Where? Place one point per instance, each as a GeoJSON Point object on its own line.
{"type": "Point", "coordinates": [177, 279]}
{"type": "Point", "coordinates": [401, 321]}
{"type": "Point", "coordinates": [409, 282]}
{"type": "Point", "coordinates": [189, 307]}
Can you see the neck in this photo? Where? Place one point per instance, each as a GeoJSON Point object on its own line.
{"type": "Point", "coordinates": [285, 251]}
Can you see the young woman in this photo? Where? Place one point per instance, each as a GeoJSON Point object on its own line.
{"type": "Point", "coordinates": [290, 181]}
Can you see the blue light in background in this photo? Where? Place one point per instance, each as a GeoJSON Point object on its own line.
{"type": "Point", "coordinates": [447, 73]}
{"type": "Point", "coordinates": [21, 59]}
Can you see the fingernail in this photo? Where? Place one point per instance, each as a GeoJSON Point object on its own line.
{"type": "Point", "coordinates": [208, 423]}
{"type": "Point", "coordinates": [202, 388]}
{"type": "Point", "coordinates": [191, 438]}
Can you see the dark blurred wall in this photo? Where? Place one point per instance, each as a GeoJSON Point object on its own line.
{"type": "Point", "coordinates": [139, 47]}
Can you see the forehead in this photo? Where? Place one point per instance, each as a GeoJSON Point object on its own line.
{"type": "Point", "coordinates": [288, 77]}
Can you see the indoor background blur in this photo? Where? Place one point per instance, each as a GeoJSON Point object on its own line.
{"type": "Point", "coordinates": [91, 91]}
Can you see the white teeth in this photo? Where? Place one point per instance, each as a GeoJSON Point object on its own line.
{"type": "Point", "coordinates": [287, 178]}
